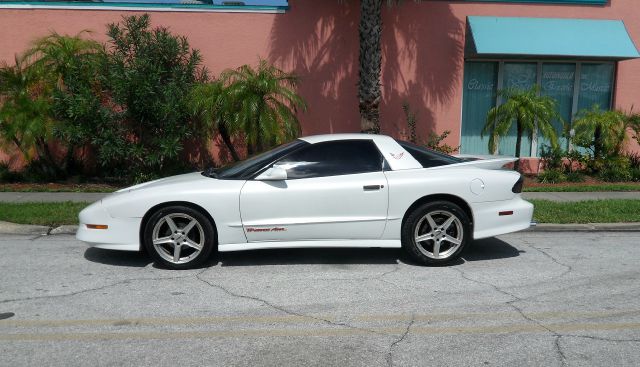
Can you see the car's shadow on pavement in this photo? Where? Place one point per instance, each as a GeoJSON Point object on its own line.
{"type": "Point", "coordinates": [480, 250]}
{"type": "Point", "coordinates": [117, 258]}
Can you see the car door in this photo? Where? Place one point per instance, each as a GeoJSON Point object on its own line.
{"type": "Point", "coordinates": [334, 190]}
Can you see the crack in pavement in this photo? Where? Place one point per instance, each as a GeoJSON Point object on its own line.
{"type": "Point", "coordinates": [557, 336]}
{"type": "Point", "coordinates": [568, 268]}
{"type": "Point", "coordinates": [556, 343]}
{"type": "Point", "coordinates": [399, 340]}
{"type": "Point", "coordinates": [599, 338]}
{"type": "Point", "coordinates": [37, 237]}
{"type": "Point", "coordinates": [124, 281]}
{"type": "Point", "coordinates": [280, 308]}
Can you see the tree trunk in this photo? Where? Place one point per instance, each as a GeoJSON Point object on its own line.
{"type": "Point", "coordinates": [226, 139]}
{"type": "Point", "coordinates": [516, 165]}
{"type": "Point", "coordinates": [18, 144]}
{"type": "Point", "coordinates": [597, 144]}
{"type": "Point", "coordinates": [369, 94]}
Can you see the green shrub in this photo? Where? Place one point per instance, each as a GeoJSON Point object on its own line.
{"type": "Point", "coordinates": [410, 117]}
{"type": "Point", "coordinates": [148, 73]}
{"type": "Point", "coordinates": [634, 165]}
{"type": "Point", "coordinates": [552, 176]}
{"type": "Point", "coordinates": [435, 142]}
{"type": "Point", "coordinates": [635, 174]}
{"type": "Point", "coordinates": [71, 67]}
{"type": "Point", "coordinates": [602, 132]}
{"type": "Point", "coordinates": [7, 175]}
{"type": "Point", "coordinates": [551, 157]}
{"type": "Point", "coordinates": [39, 171]}
{"type": "Point", "coordinates": [574, 177]}
{"type": "Point", "coordinates": [634, 160]}
{"type": "Point", "coordinates": [615, 169]}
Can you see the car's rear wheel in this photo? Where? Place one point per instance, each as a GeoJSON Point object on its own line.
{"type": "Point", "coordinates": [179, 237]}
{"type": "Point", "coordinates": [436, 233]}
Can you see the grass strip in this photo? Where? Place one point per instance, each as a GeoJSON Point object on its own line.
{"type": "Point", "coordinates": [590, 211]}
{"type": "Point", "coordinates": [585, 188]}
{"type": "Point", "coordinates": [46, 214]}
{"type": "Point", "coordinates": [56, 188]}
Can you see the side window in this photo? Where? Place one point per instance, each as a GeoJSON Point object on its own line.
{"type": "Point", "coordinates": [333, 158]}
{"type": "Point", "coordinates": [427, 157]}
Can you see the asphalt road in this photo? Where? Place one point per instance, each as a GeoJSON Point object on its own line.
{"type": "Point", "coordinates": [528, 299]}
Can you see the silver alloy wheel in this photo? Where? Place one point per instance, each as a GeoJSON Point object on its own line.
{"type": "Point", "coordinates": [437, 231]}
{"type": "Point", "coordinates": [178, 238]}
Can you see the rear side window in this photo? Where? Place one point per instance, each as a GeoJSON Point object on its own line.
{"type": "Point", "coordinates": [427, 157]}
{"type": "Point", "coordinates": [333, 158]}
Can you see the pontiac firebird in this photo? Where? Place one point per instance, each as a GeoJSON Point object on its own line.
{"type": "Point", "coordinates": [339, 190]}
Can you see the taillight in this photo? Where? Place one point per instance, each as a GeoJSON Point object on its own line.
{"type": "Point", "coordinates": [517, 188]}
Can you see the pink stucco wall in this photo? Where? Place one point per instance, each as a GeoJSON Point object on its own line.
{"type": "Point", "coordinates": [423, 51]}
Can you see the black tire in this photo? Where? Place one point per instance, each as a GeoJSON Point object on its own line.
{"type": "Point", "coordinates": [202, 234]}
{"type": "Point", "coordinates": [417, 224]}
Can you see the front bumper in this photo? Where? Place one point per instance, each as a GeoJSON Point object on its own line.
{"type": "Point", "coordinates": [121, 234]}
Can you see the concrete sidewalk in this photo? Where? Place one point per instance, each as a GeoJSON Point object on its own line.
{"type": "Point", "coordinates": [24, 197]}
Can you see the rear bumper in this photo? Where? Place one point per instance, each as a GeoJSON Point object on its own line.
{"type": "Point", "coordinates": [121, 234]}
{"type": "Point", "coordinates": [488, 222]}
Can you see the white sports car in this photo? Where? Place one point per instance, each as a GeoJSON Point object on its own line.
{"type": "Point", "coordinates": [341, 190]}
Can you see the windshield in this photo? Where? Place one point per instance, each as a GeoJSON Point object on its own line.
{"type": "Point", "coordinates": [246, 169]}
{"type": "Point", "coordinates": [428, 157]}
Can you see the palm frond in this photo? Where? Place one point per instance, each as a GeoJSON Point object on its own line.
{"type": "Point", "coordinates": [527, 108]}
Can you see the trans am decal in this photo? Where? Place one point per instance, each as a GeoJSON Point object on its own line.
{"type": "Point", "coordinates": [273, 229]}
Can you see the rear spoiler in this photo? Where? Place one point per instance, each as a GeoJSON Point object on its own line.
{"type": "Point", "coordinates": [483, 161]}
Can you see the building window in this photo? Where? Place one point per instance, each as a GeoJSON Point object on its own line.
{"type": "Point", "coordinates": [574, 85]}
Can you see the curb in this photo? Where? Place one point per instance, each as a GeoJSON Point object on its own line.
{"type": "Point", "coordinates": [13, 228]}
{"type": "Point", "coordinates": [30, 229]}
{"type": "Point", "coordinates": [585, 227]}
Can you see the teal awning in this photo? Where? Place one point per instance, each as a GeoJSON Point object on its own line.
{"type": "Point", "coordinates": [550, 37]}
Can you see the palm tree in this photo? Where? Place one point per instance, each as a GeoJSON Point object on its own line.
{"type": "Point", "coordinates": [602, 131]}
{"type": "Point", "coordinates": [529, 110]}
{"type": "Point", "coordinates": [25, 118]}
{"type": "Point", "coordinates": [60, 55]}
{"type": "Point", "coordinates": [205, 102]}
{"type": "Point", "coordinates": [263, 103]}
{"type": "Point", "coordinates": [370, 62]}
{"type": "Point", "coordinates": [71, 64]}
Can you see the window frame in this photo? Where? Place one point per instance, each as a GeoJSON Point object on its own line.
{"type": "Point", "coordinates": [539, 62]}
{"type": "Point", "coordinates": [383, 162]}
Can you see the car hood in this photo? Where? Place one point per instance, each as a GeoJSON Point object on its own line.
{"type": "Point", "coordinates": [179, 179]}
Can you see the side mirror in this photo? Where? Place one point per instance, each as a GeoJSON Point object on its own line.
{"type": "Point", "coordinates": [274, 173]}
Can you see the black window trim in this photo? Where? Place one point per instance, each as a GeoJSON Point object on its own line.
{"type": "Point", "coordinates": [261, 170]}
{"type": "Point", "coordinates": [383, 161]}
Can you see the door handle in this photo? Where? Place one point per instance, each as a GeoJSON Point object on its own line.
{"type": "Point", "coordinates": [372, 187]}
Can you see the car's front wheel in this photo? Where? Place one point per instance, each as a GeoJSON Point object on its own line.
{"type": "Point", "coordinates": [179, 237]}
{"type": "Point", "coordinates": [436, 233]}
